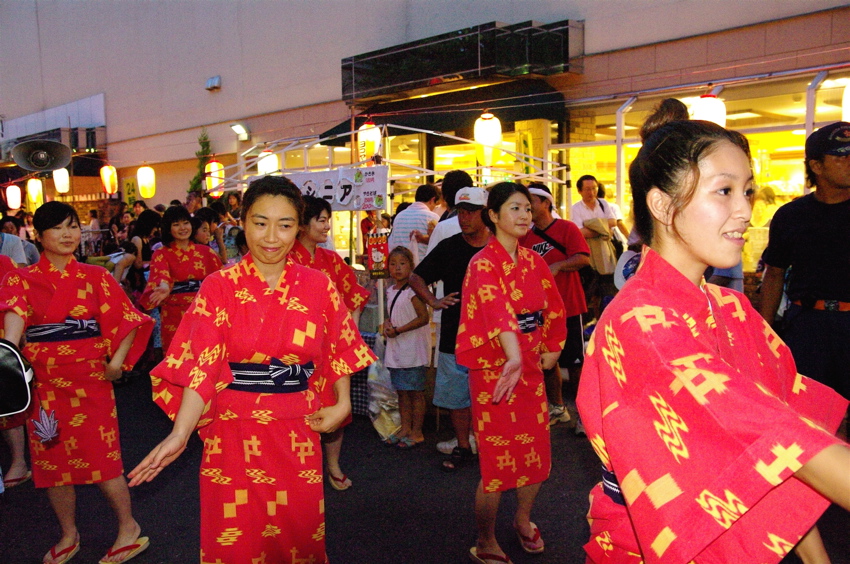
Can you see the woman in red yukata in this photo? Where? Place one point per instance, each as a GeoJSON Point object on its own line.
{"type": "Point", "coordinates": [80, 328]}
{"type": "Point", "coordinates": [512, 326]}
{"type": "Point", "coordinates": [315, 227]}
{"type": "Point", "coordinates": [246, 367]}
{"type": "Point", "coordinates": [176, 271]}
{"type": "Point", "coordinates": [713, 447]}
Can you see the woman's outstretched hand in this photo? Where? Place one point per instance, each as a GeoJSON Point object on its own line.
{"type": "Point", "coordinates": [161, 456]}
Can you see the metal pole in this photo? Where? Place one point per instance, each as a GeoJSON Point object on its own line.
{"type": "Point", "coordinates": [621, 154]}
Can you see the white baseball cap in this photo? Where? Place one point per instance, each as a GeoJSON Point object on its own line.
{"type": "Point", "coordinates": [471, 196]}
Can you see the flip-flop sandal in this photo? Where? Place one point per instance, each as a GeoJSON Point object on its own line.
{"type": "Point", "coordinates": [483, 557]}
{"type": "Point", "coordinates": [66, 554]}
{"type": "Point", "coordinates": [530, 544]}
{"type": "Point", "coordinates": [405, 443]}
{"type": "Point", "coordinates": [132, 550]}
{"type": "Point", "coordinates": [17, 481]}
{"type": "Point", "coordinates": [339, 484]}
{"type": "Point", "coordinates": [392, 440]}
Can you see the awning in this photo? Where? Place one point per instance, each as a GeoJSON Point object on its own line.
{"type": "Point", "coordinates": [510, 102]}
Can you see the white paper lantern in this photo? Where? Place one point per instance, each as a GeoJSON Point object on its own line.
{"type": "Point", "coordinates": [488, 136]}
{"type": "Point", "coordinates": [709, 107]}
{"type": "Point", "coordinates": [267, 163]}
{"type": "Point", "coordinates": [13, 197]}
{"type": "Point", "coordinates": [61, 180]}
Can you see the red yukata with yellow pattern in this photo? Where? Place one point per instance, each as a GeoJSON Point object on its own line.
{"type": "Point", "coordinates": [69, 375]}
{"type": "Point", "coordinates": [262, 497]}
{"type": "Point", "coordinates": [695, 404]}
{"type": "Point", "coordinates": [353, 295]}
{"type": "Point", "coordinates": [171, 264]}
{"type": "Point", "coordinates": [513, 436]}
{"type": "Point", "coordinates": [7, 265]}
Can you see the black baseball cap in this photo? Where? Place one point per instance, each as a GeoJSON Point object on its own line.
{"type": "Point", "coordinates": [833, 139]}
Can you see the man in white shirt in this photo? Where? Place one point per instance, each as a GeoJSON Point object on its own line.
{"type": "Point", "coordinates": [590, 207]}
{"type": "Point", "coordinates": [412, 227]}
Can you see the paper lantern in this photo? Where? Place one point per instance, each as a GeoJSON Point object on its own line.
{"type": "Point", "coordinates": [13, 197]}
{"type": "Point", "coordinates": [488, 136]}
{"type": "Point", "coordinates": [267, 163]}
{"type": "Point", "coordinates": [34, 190]}
{"type": "Point", "coordinates": [214, 180]}
{"type": "Point", "coordinates": [61, 180]}
{"type": "Point", "coordinates": [109, 179]}
{"type": "Point", "coordinates": [147, 181]}
{"type": "Point", "coordinates": [368, 141]}
{"type": "Point", "coordinates": [709, 107]}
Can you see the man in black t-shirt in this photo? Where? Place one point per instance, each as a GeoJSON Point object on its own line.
{"type": "Point", "coordinates": [811, 235]}
{"type": "Point", "coordinates": [448, 261]}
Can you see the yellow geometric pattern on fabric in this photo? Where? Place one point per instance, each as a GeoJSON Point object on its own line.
{"type": "Point", "coordinates": [251, 447]}
{"type": "Point", "coordinates": [221, 317]}
{"type": "Point", "coordinates": [212, 445]}
{"type": "Point", "coordinates": [215, 474]}
{"type": "Point", "coordinates": [506, 460]}
{"type": "Point", "coordinates": [364, 356]}
{"type": "Point", "coordinates": [185, 354]}
{"type": "Point", "coordinates": [647, 317]}
{"type": "Point", "coordinates": [70, 445]}
{"type": "Point", "coordinates": [260, 559]}
{"type": "Point", "coordinates": [485, 293]}
{"type": "Point", "coordinates": [270, 531]}
{"type": "Point", "coordinates": [347, 334]}
{"type": "Point", "coordinates": [493, 485]}
{"type": "Point", "coordinates": [79, 394]}
{"type": "Point", "coordinates": [778, 545]}
{"type": "Point", "coordinates": [228, 415]}
{"type": "Point", "coordinates": [78, 419]}
{"type": "Point", "coordinates": [263, 416]}
{"type": "Point", "coordinates": [532, 458]}
{"type": "Point", "coordinates": [610, 408]}
{"type": "Point", "coordinates": [773, 340]}
{"type": "Point", "coordinates": [812, 424]}
{"type": "Point", "coordinates": [341, 367]}
{"type": "Point", "coordinates": [302, 449]}
{"type": "Point", "coordinates": [739, 312]}
{"type": "Point", "coordinates": [471, 307]}
{"type": "Point", "coordinates": [109, 436]}
{"type": "Point", "coordinates": [200, 306]}
{"type": "Point", "coordinates": [244, 296]}
{"type": "Point", "coordinates": [210, 355]}
{"type": "Point", "coordinates": [524, 438]}
{"type": "Point", "coordinates": [507, 267]}
{"type": "Point", "coordinates": [724, 511]}
{"type": "Point", "coordinates": [317, 536]}
{"type": "Point", "coordinates": [78, 463]}
{"type": "Point", "coordinates": [295, 304]}
{"type": "Point", "coordinates": [497, 440]}
{"type": "Point", "coordinates": [598, 444]}
{"type": "Point", "coordinates": [78, 311]}
{"type": "Point", "coordinates": [240, 498]}
{"type": "Point", "coordinates": [763, 389]}
{"type": "Point", "coordinates": [663, 490]}
{"type": "Point", "coordinates": [312, 476]}
{"type": "Point", "coordinates": [698, 381]}
{"type": "Point", "coordinates": [516, 294]}
{"type": "Point", "coordinates": [692, 324]}
{"type": "Point", "coordinates": [83, 292]}
{"type": "Point", "coordinates": [258, 476]}
{"type": "Point", "coordinates": [300, 337]}
{"type": "Point", "coordinates": [66, 350]}
{"type": "Point", "coordinates": [670, 427]}
{"type": "Point", "coordinates": [603, 539]}
{"type": "Point", "coordinates": [663, 541]}
{"type": "Point", "coordinates": [786, 459]}
{"type": "Point", "coordinates": [234, 274]}
{"type": "Point", "coordinates": [613, 353]}
{"type": "Point", "coordinates": [281, 498]}
{"type": "Point", "coordinates": [799, 384]}
{"type": "Point", "coordinates": [229, 536]}
{"type": "Point", "coordinates": [198, 377]}
{"type": "Point", "coordinates": [632, 485]}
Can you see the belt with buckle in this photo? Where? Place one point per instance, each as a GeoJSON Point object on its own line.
{"type": "Point", "coordinates": [824, 305]}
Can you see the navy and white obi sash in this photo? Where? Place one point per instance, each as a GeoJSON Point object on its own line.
{"type": "Point", "coordinates": [70, 330]}
{"type": "Point", "coordinates": [611, 487]}
{"type": "Point", "coordinates": [186, 287]}
{"type": "Point", "coordinates": [273, 378]}
{"type": "Point", "coordinates": [529, 322]}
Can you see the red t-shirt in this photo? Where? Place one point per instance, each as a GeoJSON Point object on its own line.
{"type": "Point", "coordinates": [569, 283]}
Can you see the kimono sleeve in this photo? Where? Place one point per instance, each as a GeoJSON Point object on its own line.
{"type": "Point", "coordinates": [554, 330]}
{"type": "Point", "coordinates": [160, 271]}
{"type": "Point", "coordinates": [117, 318]}
{"type": "Point", "coordinates": [13, 295]}
{"type": "Point", "coordinates": [197, 356]}
{"type": "Point", "coordinates": [704, 456]}
{"type": "Point", "coordinates": [353, 294]}
{"type": "Point", "coordinates": [486, 312]}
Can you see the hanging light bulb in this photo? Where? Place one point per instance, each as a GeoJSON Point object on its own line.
{"type": "Point", "coordinates": [13, 197]}
{"type": "Point", "coordinates": [34, 190]}
{"type": "Point", "coordinates": [488, 138]}
{"type": "Point", "coordinates": [109, 179]}
{"type": "Point", "coordinates": [214, 180]}
{"type": "Point", "coordinates": [61, 180]}
{"type": "Point", "coordinates": [368, 141]}
{"type": "Point", "coordinates": [267, 163]}
{"type": "Point", "coordinates": [709, 107]}
{"type": "Point", "coordinates": [146, 178]}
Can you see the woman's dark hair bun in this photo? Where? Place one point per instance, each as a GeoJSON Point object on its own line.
{"type": "Point", "coordinates": [669, 109]}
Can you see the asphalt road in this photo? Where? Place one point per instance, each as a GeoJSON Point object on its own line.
{"type": "Point", "coordinates": [402, 508]}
